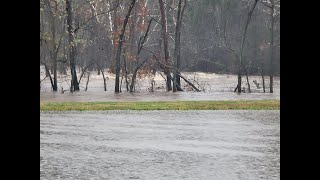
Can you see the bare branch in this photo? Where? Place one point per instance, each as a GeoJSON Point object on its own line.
{"type": "Point", "coordinates": [155, 19]}
{"type": "Point", "coordinates": [84, 70]}
{"type": "Point", "coordinates": [142, 39]}
{"type": "Point", "coordinates": [97, 14]}
{"type": "Point", "coordinates": [167, 5]}
{"type": "Point", "coordinates": [266, 4]}
{"type": "Point", "coordinates": [264, 11]}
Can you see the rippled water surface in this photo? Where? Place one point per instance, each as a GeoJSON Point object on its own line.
{"type": "Point", "coordinates": [213, 86]}
{"type": "Point", "coordinates": [160, 145]}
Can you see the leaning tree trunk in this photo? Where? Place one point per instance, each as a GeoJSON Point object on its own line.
{"type": "Point", "coordinates": [48, 72]}
{"type": "Point", "coordinates": [271, 47]}
{"type": "Point", "coordinates": [72, 49]}
{"type": "Point", "coordinates": [165, 44]}
{"type": "Point", "coordinates": [117, 89]}
{"type": "Point", "coordinates": [247, 77]}
{"type": "Point", "coordinates": [100, 69]}
{"type": "Point", "coordinates": [243, 42]}
{"type": "Point", "coordinates": [104, 81]}
{"type": "Point", "coordinates": [88, 78]}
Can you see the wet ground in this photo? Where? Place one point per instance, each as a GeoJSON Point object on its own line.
{"type": "Point", "coordinates": [160, 145]}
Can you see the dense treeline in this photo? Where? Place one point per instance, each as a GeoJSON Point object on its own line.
{"type": "Point", "coordinates": [127, 37]}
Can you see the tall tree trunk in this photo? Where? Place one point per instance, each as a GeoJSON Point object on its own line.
{"type": "Point", "coordinates": [55, 54]}
{"type": "Point", "coordinates": [55, 84]}
{"type": "Point", "coordinates": [243, 43]}
{"type": "Point", "coordinates": [179, 49]}
{"type": "Point", "coordinates": [54, 51]}
{"type": "Point", "coordinates": [125, 64]}
{"type": "Point", "coordinates": [165, 43]}
{"type": "Point", "coordinates": [131, 39]}
{"type": "Point", "coordinates": [115, 33]}
{"type": "Point", "coordinates": [263, 84]}
{"type": "Point", "coordinates": [110, 22]}
{"type": "Point", "coordinates": [72, 48]}
{"type": "Point", "coordinates": [176, 76]}
{"type": "Point", "coordinates": [117, 89]}
{"type": "Point", "coordinates": [271, 47]}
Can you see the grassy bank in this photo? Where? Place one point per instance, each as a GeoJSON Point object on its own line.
{"type": "Point", "coordinates": [159, 105]}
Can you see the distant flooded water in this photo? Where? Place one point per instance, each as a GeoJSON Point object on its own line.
{"type": "Point", "coordinates": [213, 86]}
{"type": "Point", "coordinates": [170, 145]}
{"type": "Point", "coordinates": [155, 96]}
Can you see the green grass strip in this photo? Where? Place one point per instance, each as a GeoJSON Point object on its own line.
{"type": "Point", "coordinates": [162, 105]}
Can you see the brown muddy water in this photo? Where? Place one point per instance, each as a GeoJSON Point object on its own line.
{"type": "Point", "coordinates": [213, 86]}
{"type": "Point", "coordinates": [168, 145]}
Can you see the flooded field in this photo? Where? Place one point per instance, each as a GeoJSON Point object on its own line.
{"type": "Point", "coordinates": [213, 86]}
{"type": "Point", "coordinates": [170, 145]}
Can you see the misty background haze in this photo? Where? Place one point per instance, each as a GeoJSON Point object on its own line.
{"type": "Point", "coordinates": [80, 37]}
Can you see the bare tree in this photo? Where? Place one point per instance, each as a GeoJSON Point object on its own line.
{"type": "Point", "coordinates": [165, 43]}
{"type": "Point", "coordinates": [176, 77]}
{"type": "Point", "coordinates": [242, 46]}
{"type": "Point", "coordinates": [72, 47]}
{"type": "Point", "coordinates": [54, 46]}
{"type": "Point", "coordinates": [52, 10]}
{"type": "Point", "coordinates": [271, 5]}
{"type": "Point", "coordinates": [96, 31]}
{"type": "Point", "coordinates": [121, 38]}
{"type": "Point", "coordinates": [271, 46]}
{"type": "Point", "coordinates": [141, 42]}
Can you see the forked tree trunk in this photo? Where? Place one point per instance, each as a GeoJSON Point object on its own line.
{"type": "Point", "coordinates": [243, 43]}
{"type": "Point", "coordinates": [140, 46]}
{"type": "Point", "coordinates": [134, 76]}
{"type": "Point", "coordinates": [117, 83]}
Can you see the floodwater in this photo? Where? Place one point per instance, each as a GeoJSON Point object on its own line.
{"type": "Point", "coordinates": [170, 145]}
{"type": "Point", "coordinates": [213, 86]}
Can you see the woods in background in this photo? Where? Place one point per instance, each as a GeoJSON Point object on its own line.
{"type": "Point", "coordinates": [128, 37]}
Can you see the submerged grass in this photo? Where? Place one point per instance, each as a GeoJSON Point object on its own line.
{"type": "Point", "coordinates": [162, 105]}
